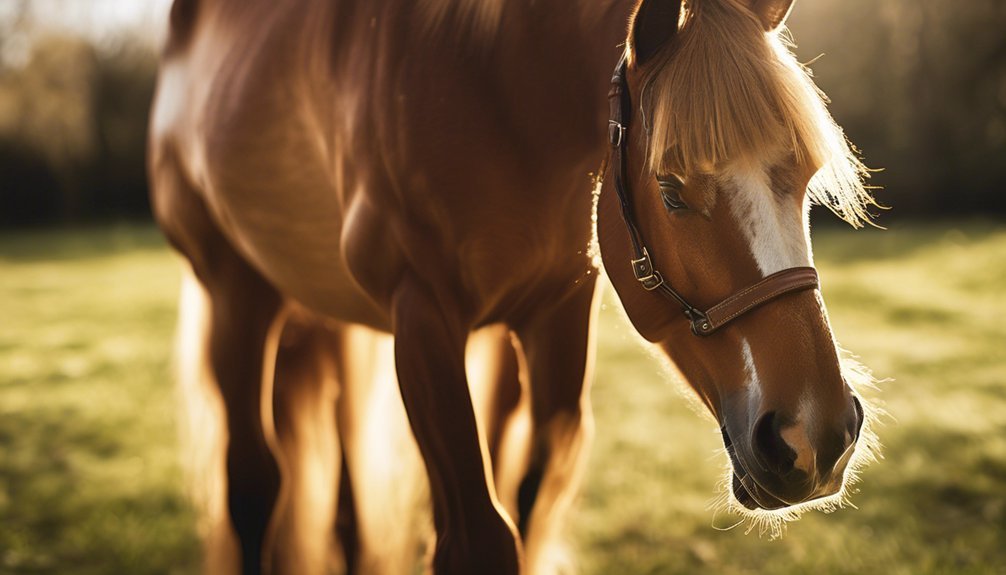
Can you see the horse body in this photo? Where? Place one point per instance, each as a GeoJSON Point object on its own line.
{"type": "Point", "coordinates": [423, 168]}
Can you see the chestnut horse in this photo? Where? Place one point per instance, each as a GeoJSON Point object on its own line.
{"type": "Point", "coordinates": [422, 168]}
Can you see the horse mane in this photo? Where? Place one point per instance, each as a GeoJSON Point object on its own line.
{"type": "Point", "coordinates": [726, 90]}
{"type": "Point", "coordinates": [481, 18]}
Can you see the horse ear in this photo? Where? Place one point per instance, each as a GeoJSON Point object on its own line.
{"type": "Point", "coordinates": [653, 24]}
{"type": "Point", "coordinates": [772, 13]}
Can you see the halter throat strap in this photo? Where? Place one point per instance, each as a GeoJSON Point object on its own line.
{"type": "Point", "coordinates": [706, 322]}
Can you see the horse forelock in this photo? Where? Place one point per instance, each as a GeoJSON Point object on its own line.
{"type": "Point", "coordinates": [727, 91]}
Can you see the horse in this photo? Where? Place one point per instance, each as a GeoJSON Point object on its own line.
{"type": "Point", "coordinates": [334, 170]}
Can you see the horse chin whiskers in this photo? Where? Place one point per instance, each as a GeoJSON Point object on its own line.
{"type": "Point", "coordinates": [770, 523]}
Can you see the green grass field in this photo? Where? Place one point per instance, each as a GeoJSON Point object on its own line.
{"type": "Point", "coordinates": [89, 482]}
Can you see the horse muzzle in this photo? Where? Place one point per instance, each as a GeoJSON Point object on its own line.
{"type": "Point", "coordinates": [778, 463]}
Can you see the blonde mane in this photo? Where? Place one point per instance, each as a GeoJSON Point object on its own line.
{"type": "Point", "coordinates": [726, 90]}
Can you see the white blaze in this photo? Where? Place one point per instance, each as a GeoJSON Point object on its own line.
{"type": "Point", "coordinates": [777, 234]}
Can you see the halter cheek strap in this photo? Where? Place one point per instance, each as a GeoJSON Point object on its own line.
{"type": "Point", "coordinates": [702, 322]}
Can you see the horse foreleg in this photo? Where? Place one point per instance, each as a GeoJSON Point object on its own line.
{"type": "Point", "coordinates": [383, 484]}
{"type": "Point", "coordinates": [244, 330]}
{"type": "Point", "coordinates": [243, 320]}
{"type": "Point", "coordinates": [498, 381]}
{"type": "Point", "coordinates": [305, 398]}
{"type": "Point", "coordinates": [473, 533]}
{"type": "Point", "coordinates": [558, 347]}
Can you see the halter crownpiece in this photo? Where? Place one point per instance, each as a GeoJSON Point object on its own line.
{"type": "Point", "coordinates": [702, 322]}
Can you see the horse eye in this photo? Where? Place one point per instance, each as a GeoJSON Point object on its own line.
{"type": "Point", "coordinates": [670, 192]}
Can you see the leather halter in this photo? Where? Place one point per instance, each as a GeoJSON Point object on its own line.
{"type": "Point", "coordinates": [703, 322]}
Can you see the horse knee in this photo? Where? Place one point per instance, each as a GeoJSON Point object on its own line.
{"type": "Point", "coordinates": [557, 455]}
{"type": "Point", "coordinates": [561, 429]}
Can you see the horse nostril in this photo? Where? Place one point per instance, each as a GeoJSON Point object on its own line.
{"type": "Point", "coordinates": [770, 446]}
{"type": "Point", "coordinates": [860, 418]}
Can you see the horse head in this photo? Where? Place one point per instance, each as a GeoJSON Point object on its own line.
{"type": "Point", "coordinates": [721, 142]}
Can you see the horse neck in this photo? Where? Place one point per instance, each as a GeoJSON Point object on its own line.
{"type": "Point", "coordinates": [554, 64]}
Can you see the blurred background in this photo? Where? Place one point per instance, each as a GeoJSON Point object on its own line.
{"type": "Point", "coordinates": [76, 80]}
{"type": "Point", "coordinates": [919, 85]}
{"type": "Point", "coordinates": [89, 480]}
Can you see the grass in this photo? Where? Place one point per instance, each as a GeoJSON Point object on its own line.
{"type": "Point", "coordinates": [88, 476]}
{"type": "Point", "coordinates": [89, 482]}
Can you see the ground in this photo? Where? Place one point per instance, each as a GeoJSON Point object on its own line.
{"type": "Point", "coordinates": [89, 481]}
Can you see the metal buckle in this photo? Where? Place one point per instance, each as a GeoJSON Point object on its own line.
{"type": "Point", "coordinates": [645, 274]}
{"type": "Point", "coordinates": [700, 323]}
{"type": "Point", "coordinates": [616, 133]}
{"type": "Point", "coordinates": [652, 282]}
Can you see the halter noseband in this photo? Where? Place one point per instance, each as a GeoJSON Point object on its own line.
{"type": "Point", "coordinates": [703, 322]}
